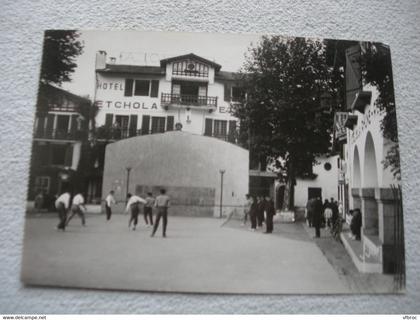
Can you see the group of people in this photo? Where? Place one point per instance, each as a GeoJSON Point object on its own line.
{"type": "Point", "coordinates": [68, 209]}
{"type": "Point", "coordinates": [259, 210]}
{"type": "Point", "coordinates": [319, 214]}
{"type": "Point", "coordinates": [77, 207]}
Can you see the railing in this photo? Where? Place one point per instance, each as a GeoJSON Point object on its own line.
{"type": "Point", "coordinates": [191, 73]}
{"type": "Point", "coordinates": [226, 137]}
{"type": "Point", "coordinates": [59, 134]}
{"type": "Point", "coordinates": [188, 100]}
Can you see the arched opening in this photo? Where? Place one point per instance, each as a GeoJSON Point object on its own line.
{"type": "Point", "coordinates": [370, 182]}
{"type": "Point", "coordinates": [370, 169]}
{"type": "Point", "coordinates": [356, 169]}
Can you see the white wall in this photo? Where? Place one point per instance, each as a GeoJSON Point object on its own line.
{"type": "Point", "coordinates": [327, 180]}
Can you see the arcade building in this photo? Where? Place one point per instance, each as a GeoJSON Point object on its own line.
{"type": "Point", "coordinates": [363, 182]}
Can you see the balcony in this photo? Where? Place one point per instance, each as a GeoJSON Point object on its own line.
{"type": "Point", "coordinates": [188, 101]}
{"type": "Point", "coordinates": [49, 134]}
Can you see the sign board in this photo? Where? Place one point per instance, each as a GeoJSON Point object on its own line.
{"type": "Point", "coordinates": [340, 133]}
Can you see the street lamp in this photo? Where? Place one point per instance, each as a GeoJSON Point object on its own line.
{"type": "Point", "coordinates": [128, 178]}
{"type": "Point", "coordinates": [221, 191]}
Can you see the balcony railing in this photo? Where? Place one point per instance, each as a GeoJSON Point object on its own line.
{"type": "Point", "coordinates": [58, 134]}
{"type": "Point", "coordinates": [191, 73]}
{"type": "Point", "coordinates": [188, 100]}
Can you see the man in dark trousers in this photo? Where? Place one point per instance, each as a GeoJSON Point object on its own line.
{"type": "Point", "coordinates": [270, 212]}
{"type": "Point", "coordinates": [317, 216]}
{"type": "Point", "coordinates": [62, 204]}
{"type": "Point", "coordinates": [260, 211]}
{"type": "Point", "coordinates": [162, 204]}
{"type": "Point", "coordinates": [253, 211]}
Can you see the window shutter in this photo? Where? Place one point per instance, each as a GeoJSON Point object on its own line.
{"type": "Point", "coordinates": [228, 88]}
{"type": "Point", "coordinates": [208, 130]}
{"type": "Point", "coordinates": [108, 120]}
{"type": "Point", "coordinates": [154, 92]}
{"type": "Point", "coordinates": [232, 131]}
{"type": "Point", "coordinates": [40, 126]}
{"type": "Point", "coordinates": [69, 156]}
{"type": "Point", "coordinates": [176, 88]}
{"type": "Point", "coordinates": [145, 124]}
{"type": "Point", "coordinates": [170, 123]}
{"type": "Point", "coordinates": [50, 125]}
{"type": "Point", "coordinates": [128, 89]}
{"type": "Point", "coordinates": [133, 125]}
{"type": "Point", "coordinates": [73, 128]}
{"type": "Point", "coordinates": [353, 74]}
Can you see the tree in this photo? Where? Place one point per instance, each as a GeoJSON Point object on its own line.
{"type": "Point", "coordinates": [282, 118]}
{"type": "Point", "coordinates": [61, 48]}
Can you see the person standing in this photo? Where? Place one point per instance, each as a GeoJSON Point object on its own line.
{"type": "Point", "coordinates": [310, 211]}
{"type": "Point", "coordinates": [327, 212]}
{"type": "Point", "coordinates": [109, 200]}
{"type": "Point", "coordinates": [317, 216]}
{"type": "Point", "coordinates": [62, 205]}
{"type": "Point", "coordinates": [148, 209]}
{"type": "Point", "coordinates": [253, 211]}
{"type": "Point", "coordinates": [133, 204]}
{"type": "Point", "coordinates": [39, 201]}
{"type": "Point", "coordinates": [247, 208]}
{"type": "Point", "coordinates": [78, 207]}
{"type": "Point", "coordinates": [270, 212]}
{"type": "Point", "coordinates": [162, 204]}
{"type": "Point", "coordinates": [260, 211]}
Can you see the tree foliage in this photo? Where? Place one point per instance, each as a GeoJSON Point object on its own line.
{"type": "Point", "coordinates": [282, 116]}
{"type": "Point", "coordinates": [61, 48]}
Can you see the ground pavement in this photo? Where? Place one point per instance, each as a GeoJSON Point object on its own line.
{"type": "Point", "coordinates": [197, 256]}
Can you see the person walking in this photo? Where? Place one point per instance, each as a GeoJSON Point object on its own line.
{"type": "Point", "coordinates": [247, 208]}
{"type": "Point", "coordinates": [133, 204]}
{"type": "Point", "coordinates": [109, 201]}
{"type": "Point", "coordinates": [78, 207]}
{"type": "Point", "coordinates": [327, 212]}
{"type": "Point", "coordinates": [270, 212]}
{"type": "Point", "coordinates": [162, 205]}
{"type": "Point", "coordinates": [62, 205]}
{"type": "Point", "coordinates": [148, 210]}
{"type": "Point", "coordinates": [317, 216]}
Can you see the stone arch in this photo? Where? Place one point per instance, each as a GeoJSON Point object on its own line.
{"type": "Point", "coordinates": [370, 169]}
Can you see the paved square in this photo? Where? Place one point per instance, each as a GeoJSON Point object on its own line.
{"type": "Point", "coordinates": [197, 256]}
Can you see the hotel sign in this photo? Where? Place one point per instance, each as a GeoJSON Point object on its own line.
{"type": "Point", "coordinates": [340, 132]}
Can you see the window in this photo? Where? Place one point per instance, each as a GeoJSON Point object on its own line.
{"type": "Point", "coordinates": [327, 166]}
{"type": "Point", "coordinates": [238, 94]}
{"type": "Point", "coordinates": [220, 128]}
{"type": "Point", "coordinates": [141, 87]}
{"type": "Point", "coordinates": [58, 154]}
{"type": "Point", "coordinates": [158, 124]}
{"type": "Point", "coordinates": [42, 184]}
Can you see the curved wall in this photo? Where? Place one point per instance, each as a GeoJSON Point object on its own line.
{"type": "Point", "coordinates": [187, 165]}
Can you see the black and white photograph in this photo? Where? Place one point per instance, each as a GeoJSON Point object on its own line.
{"type": "Point", "coordinates": [214, 163]}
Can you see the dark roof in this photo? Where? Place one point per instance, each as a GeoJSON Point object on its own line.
{"type": "Point", "coordinates": [46, 87]}
{"type": "Point", "coordinates": [226, 75]}
{"type": "Point", "coordinates": [124, 68]}
{"type": "Point", "coordinates": [163, 62]}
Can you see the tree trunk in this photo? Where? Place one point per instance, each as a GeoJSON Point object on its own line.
{"type": "Point", "coordinates": [288, 201]}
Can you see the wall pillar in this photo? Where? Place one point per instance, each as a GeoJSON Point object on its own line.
{"type": "Point", "coordinates": [369, 208]}
{"type": "Point", "coordinates": [355, 194]}
{"type": "Point", "coordinates": [386, 212]}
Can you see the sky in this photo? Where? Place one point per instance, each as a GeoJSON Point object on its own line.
{"type": "Point", "coordinates": [147, 48]}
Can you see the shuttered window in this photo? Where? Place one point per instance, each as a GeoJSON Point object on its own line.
{"type": "Point", "coordinates": [220, 128]}
{"type": "Point", "coordinates": [353, 74]}
{"type": "Point", "coordinates": [154, 92]}
{"type": "Point", "coordinates": [158, 124]}
{"type": "Point", "coordinates": [170, 123]}
{"type": "Point", "coordinates": [208, 129]}
{"type": "Point", "coordinates": [145, 124]}
{"type": "Point", "coordinates": [133, 125]}
{"type": "Point", "coordinates": [128, 88]}
{"type": "Point", "coordinates": [108, 120]}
